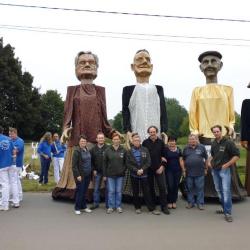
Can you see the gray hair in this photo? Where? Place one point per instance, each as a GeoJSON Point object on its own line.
{"type": "Point", "coordinates": [88, 53]}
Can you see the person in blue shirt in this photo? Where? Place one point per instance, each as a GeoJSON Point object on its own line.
{"type": "Point", "coordinates": [18, 160]}
{"type": "Point", "coordinates": [44, 150]}
{"type": "Point", "coordinates": [58, 150]}
{"type": "Point", "coordinates": [6, 155]}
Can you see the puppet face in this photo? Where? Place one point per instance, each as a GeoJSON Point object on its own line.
{"type": "Point", "coordinates": [210, 65]}
{"type": "Point", "coordinates": [86, 67]}
{"type": "Point", "coordinates": [142, 65]}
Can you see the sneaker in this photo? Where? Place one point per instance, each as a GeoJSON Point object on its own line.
{"type": "Point", "coordinates": [174, 206]}
{"type": "Point", "coordinates": [16, 205]}
{"type": "Point", "coordinates": [110, 210]}
{"type": "Point", "coordinates": [138, 211]}
{"type": "Point", "coordinates": [166, 211]}
{"type": "Point", "coordinates": [189, 206]}
{"type": "Point", "coordinates": [119, 210]}
{"type": "Point", "coordinates": [201, 207]}
{"type": "Point", "coordinates": [77, 212]}
{"type": "Point", "coordinates": [219, 211]}
{"type": "Point", "coordinates": [228, 218]}
{"type": "Point", "coordinates": [156, 212]}
{"type": "Point", "coordinates": [94, 206]}
{"type": "Point", "coordinates": [87, 210]}
{"type": "Point", "coordinates": [4, 208]}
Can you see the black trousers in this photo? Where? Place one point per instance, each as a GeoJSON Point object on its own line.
{"type": "Point", "coordinates": [143, 182]}
{"type": "Point", "coordinates": [161, 183]}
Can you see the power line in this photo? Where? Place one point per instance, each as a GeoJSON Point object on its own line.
{"type": "Point", "coordinates": [63, 30]}
{"type": "Point", "coordinates": [127, 13]}
{"type": "Point", "coordinates": [118, 35]}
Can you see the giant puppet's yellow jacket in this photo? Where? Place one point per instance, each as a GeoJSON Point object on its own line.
{"type": "Point", "coordinates": [210, 105]}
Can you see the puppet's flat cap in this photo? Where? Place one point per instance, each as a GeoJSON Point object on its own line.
{"type": "Point", "coordinates": [209, 53]}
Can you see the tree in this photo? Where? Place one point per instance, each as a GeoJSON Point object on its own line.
{"type": "Point", "coordinates": [117, 122]}
{"type": "Point", "coordinates": [51, 112]}
{"type": "Point", "coordinates": [177, 118]}
{"type": "Point", "coordinates": [19, 99]}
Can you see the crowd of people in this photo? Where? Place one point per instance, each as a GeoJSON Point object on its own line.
{"type": "Point", "coordinates": [149, 162]}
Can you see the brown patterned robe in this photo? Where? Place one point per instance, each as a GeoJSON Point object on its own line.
{"type": "Point", "coordinates": [85, 112]}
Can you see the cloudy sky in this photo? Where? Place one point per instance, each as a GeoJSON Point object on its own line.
{"type": "Point", "coordinates": [174, 43]}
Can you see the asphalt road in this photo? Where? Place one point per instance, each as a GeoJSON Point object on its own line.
{"type": "Point", "coordinates": [41, 223]}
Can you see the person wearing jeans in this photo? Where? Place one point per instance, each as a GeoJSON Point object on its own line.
{"type": "Point", "coordinates": [114, 169]}
{"type": "Point", "coordinates": [97, 153]}
{"type": "Point", "coordinates": [81, 167]}
{"type": "Point", "coordinates": [224, 155]}
{"type": "Point", "coordinates": [195, 163]}
{"type": "Point", "coordinates": [44, 150]}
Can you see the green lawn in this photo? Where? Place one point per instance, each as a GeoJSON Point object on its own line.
{"type": "Point", "coordinates": [32, 185]}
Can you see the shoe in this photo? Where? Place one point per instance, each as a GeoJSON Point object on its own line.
{"type": "Point", "coordinates": [189, 206]}
{"type": "Point", "coordinates": [156, 212]}
{"type": "Point", "coordinates": [138, 211]}
{"type": "Point", "coordinates": [110, 210]}
{"type": "Point", "coordinates": [4, 208]}
{"type": "Point", "coordinates": [174, 206]}
{"type": "Point", "coordinates": [119, 210]}
{"type": "Point", "coordinates": [170, 206]}
{"type": "Point", "coordinates": [166, 211]}
{"type": "Point", "coordinates": [93, 207]}
{"type": "Point", "coordinates": [228, 218]}
{"type": "Point", "coordinates": [87, 210]}
{"type": "Point", "coordinates": [201, 207]}
{"type": "Point", "coordinates": [16, 205]}
{"type": "Point", "coordinates": [77, 212]}
{"type": "Point", "coordinates": [219, 211]}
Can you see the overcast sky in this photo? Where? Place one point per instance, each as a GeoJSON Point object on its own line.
{"type": "Point", "coordinates": [49, 57]}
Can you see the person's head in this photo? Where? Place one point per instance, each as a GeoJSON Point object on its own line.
{"type": "Point", "coordinates": [172, 141]}
{"type": "Point", "coordinates": [100, 138]}
{"type": "Point", "coordinates": [136, 140]}
{"type": "Point", "coordinates": [210, 63]}
{"type": "Point", "coordinates": [193, 140]}
{"type": "Point", "coordinates": [116, 140]}
{"type": "Point", "coordinates": [55, 137]}
{"type": "Point", "coordinates": [82, 141]}
{"type": "Point", "coordinates": [142, 65]}
{"type": "Point", "coordinates": [13, 133]}
{"type": "Point", "coordinates": [153, 131]}
{"type": "Point", "coordinates": [1, 129]}
{"type": "Point", "coordinates": [217, 131]}
{"type": "Point", "coordinates": [86, 65]}
{"type": "Point", "coordinates": [47, 137]}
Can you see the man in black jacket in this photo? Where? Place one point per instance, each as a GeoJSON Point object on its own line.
{"type": "Point", "coordinates": [97, 153]}
{"type": "Point", "coordinates": [138, 161]}
{"type": "Point", "coordinates": [155, 147]}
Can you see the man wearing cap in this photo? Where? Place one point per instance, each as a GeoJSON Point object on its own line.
{"type": "Point", "coordinates": [245, 137]}
{"type": "Point", "coordinates": [210, 105]}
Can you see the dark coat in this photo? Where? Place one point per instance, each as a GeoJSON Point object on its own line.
{"type": "Point", "coordinates": [245, 120]}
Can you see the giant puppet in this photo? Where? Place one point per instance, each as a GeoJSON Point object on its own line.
{"type": "Point", "coordinates": [210, 105]}
{"type": "Point", "coordinates": [143, 105]}
{"type": "Point", "coordinates": [84, 113]}
{"type": "Point", "coordinates": [245, 137]}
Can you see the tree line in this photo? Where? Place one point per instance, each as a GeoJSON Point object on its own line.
{"type": "Point", "coordinates": [24, 107]}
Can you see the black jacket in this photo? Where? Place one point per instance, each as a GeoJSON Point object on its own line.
{"type": "Point", "coordinates": [114, 162]}
{"type": "Point", "coordinates": [132, 164]}
{"type": "Point", "coordinates": [126, 95]}
{"type": "Point", "coordinates": [245, 120]}
{"type": "Point", "coordinates": [97, 155]}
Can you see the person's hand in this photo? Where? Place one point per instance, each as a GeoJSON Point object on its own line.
{"type": "Point", "coordinates": [206, 172]}
{"type": "Point", "coordinates": [65, 135]}
{"type": "Point", "coordinates": [244, 144]}
{"type": "Point", "coordinates": [230, 131]}
{"type": "Point", "coordinates": [104, 178]}
{"type": "Point", "coordinates": [163, 159]}
{"type": "Point", "coordinates": [224, 166]}
{"type": "Point", "coordinates": [209, 164]}
{"type": "Point", "coordinates": [164, 137]}
{"type": "Point", "coordinates": [95, 173]}
{"type": "Point", "coordinates": [128, 139]}
{"type": "Point", "coordinates": [140, 172]}
{"type": "Point", "coordinates": [79, 178]}
{"type": "Point", "coordinates": [46, 157]}
{"type": "Point", "coordinates": [184, 173]}
{"type": "Point", "coordinates": [160, 170]}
